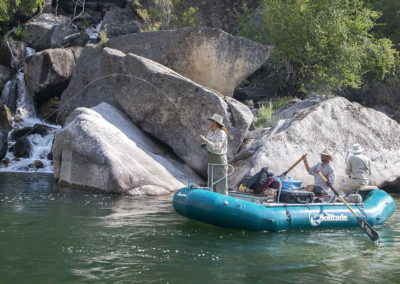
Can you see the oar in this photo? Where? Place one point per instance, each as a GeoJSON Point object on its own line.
{"type": "Point", "coordinates": [292, 166]}
{"type": "Point", "coordinates": [372, 234]}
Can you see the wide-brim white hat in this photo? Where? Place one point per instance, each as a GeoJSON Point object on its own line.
{"type": "Point", "coordinates": [327, 152]}
{"type": "Point", "coordinates": [356, 149]}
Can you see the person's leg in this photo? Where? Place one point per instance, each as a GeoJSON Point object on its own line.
{"type": "Point", "coordinates": [318, 191]}
{"type": "Point", "coordinates": [218, 173]}
{"type": "Point", "coordinates": [349, 186]}
{"type": "Point", "coordinates": [309, 188]}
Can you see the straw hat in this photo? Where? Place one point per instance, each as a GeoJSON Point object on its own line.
{"type": "Point", "coordinates": [356, 149]}
{"type": "Point", "coordinates": [327, 152]}
{"type": "Point", "coordinates": [217, 118]}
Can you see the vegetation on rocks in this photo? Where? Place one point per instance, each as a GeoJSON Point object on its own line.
{"type": "Point", "coordinates": [14, 11]}
{"type": "Point", "coordinates": [320, 45]}
{"type": "Point", "coordinates": [166, 14]}
{"type": "Point", "coordinates": [265, 111]}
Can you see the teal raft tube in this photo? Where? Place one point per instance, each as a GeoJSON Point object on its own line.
{"type": "Point", "coordinates": [236, 213]}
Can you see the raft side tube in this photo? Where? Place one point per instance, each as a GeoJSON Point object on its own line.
{"type": "Point", "coordinates": [230, 212]}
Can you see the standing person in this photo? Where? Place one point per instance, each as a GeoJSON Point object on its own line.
{"type": "Point", "coordinates": [325, 167]}
{"type": "Point", "coordinates": [358, 169]}
{"type": "Point", "coordinates": [216, 146]}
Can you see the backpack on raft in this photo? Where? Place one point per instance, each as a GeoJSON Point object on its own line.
{"type": "Point", "coordinates": [260, 181]}
{"type": "Point", "coordinates": [296, 196]}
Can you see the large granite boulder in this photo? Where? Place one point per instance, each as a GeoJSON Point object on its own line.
{"type": "Point", "coordinates": [162, 102]}
{"type": "Point", "coordinates": [48, 31]}
{"type": "Point", "coordinates": [335, 123]}
{"type": "Point", "coordinates": [208, 56]}
{"type": "Point", "coordinates": [101, 148]}
{"type": "Point", "coordinates": [47, 73]}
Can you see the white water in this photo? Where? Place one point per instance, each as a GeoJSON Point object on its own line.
{"type": "Point", "coordinates": [26, 114]}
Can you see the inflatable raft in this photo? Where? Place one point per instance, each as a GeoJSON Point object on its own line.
{"type": "Point", "coordinates": [246, 211]}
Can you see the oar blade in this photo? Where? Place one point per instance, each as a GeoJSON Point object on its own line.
{"type": "Point", "coordinates": [372, 234]}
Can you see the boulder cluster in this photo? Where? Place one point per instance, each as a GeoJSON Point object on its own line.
{"type": "Point", "coordinates": [132, 105]}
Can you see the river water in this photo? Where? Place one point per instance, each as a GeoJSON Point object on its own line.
{"type": "Point", "coordinates": [53, 234]}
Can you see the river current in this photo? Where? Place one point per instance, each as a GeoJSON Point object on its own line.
{"type": "Point", "coordinates": [54, 234]}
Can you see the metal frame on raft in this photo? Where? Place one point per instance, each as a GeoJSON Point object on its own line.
{"type": "Point", "coordinates": [210, 173]}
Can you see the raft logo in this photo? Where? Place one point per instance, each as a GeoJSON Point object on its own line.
{"type": "Point", "coordinates": [316, 219]}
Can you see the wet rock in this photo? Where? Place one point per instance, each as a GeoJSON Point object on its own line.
{"type": "Point", "coordinates": [3, 143]}
{"type": "Point", "coordinates": [22, 148]}
{"type": "Point", "coordinates": [40, 129]}
{"type": "Point", "coordinates": [47, 73]}
{"type": "Point", "coordinates": [5, 75]}
{"type": "Point", "coordinates": [5, 162]}
{"type": "Point", "coordinates": [5, 118]}
{"type": "Point", "coordinates": [38, 164]}
{"type": "Point", "coordinates": [48, 110]}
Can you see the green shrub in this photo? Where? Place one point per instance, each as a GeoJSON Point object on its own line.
{"type": "Point", "coordinates": [14, 11]}
{"type": "Point", "coordinates": [166, 14]}
{"type": "Point", "coordinates": [266, 111]}
{"type": "Point", "coordinates": [319, 45]}
{"type": "Point", "coordinates": [19, 33]}
{"type": "Point", "coordinates": [264, 114]}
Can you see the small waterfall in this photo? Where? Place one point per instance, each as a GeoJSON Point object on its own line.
{"type": "Point", "coordinates": [25, 108]}
{"type": "Point", "coordinates": [17, 97]}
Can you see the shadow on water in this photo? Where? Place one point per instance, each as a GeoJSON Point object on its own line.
{"type": "Point", "coordinates": [52, 234]}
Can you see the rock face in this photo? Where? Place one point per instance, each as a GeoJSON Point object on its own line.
{"type": "Point", "coordinates": [335, 123]}
{"type": "Point", "coordinates": [5, 75]}
{"type": "Point", "coordinates": [101, 148]}
{"type": "Point", "coordinates": [3, 143]}
{"type": "Point", "coordinates": [5, 118]}
{"type": "Point", "coordinates": [47, 73]}
{"type": "Point", "coordinates": [210, 57]}
{"type": "Point", "coordinates": [118, 21]}
{"type": "Point", "coordinates": [163, 103]}
{"type": "Point", "coordinates": [48, 31]}
{"type": "Point", "coordinates": [12, 53]}
{"type": "Point", "coordinates": [22, 148]}
{"type": "Point", "coordinates": [87, 85]}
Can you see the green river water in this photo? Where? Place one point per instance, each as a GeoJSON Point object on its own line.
{"type": "Point", "coordinates": [51, 234]}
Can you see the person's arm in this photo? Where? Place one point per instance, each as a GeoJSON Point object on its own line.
{"type": "Point", "coordinates": [332, 175]}
{"type": "Point", "coordinates": [348, 166]}
{"type": "Point", "coordinates": [215, 146]}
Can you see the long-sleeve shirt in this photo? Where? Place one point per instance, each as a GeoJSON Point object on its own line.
{"type": "Point", "coordinates": [327, 170]}
{"type": "Point", "coordinates": [217, 142]}
{"type": "Point", "coordinates": [359, 167]}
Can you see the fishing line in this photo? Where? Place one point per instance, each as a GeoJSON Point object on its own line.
{"type": "Point", "coordinates": [91, 83]}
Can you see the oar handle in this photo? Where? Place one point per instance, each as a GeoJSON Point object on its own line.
{"type": "Point", "coordinates": [292, 166]}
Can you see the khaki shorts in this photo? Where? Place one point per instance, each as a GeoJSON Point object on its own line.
{"type": "Point", "coordinates": [352, 184]}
